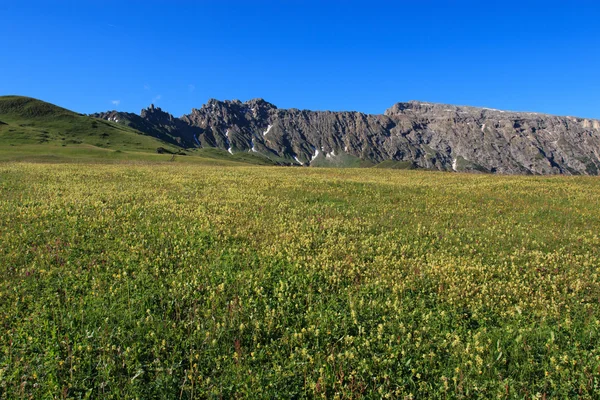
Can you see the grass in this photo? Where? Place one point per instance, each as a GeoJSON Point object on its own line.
{"type": "Point", "coordinates": [341, 160]}
{"type": "Point", "coordinates": [85, 154]}
{"type": "Point", "coordinates": [30, 121]}
{"type": "Point", "coordinates": [185, 281]}
{"type": "Point", "coordinates": [35, 131]}
{"type": "Point", "coordinates": [392, 164]}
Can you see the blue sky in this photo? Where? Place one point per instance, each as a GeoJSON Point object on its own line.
{"type": "Point", "coordinates": [337, 55]}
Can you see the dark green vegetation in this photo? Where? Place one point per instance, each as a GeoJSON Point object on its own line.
{"type": "Point", "coordinates": [391, 164]}
{"type": "Point", "coordinates": [186, 281]}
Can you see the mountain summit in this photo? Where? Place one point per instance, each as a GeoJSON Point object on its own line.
{"type": "Point", "coordinates": [414, 134]}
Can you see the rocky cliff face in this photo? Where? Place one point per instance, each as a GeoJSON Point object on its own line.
{"type": "Point", "coordinates": [499, 141]}
{"type": "Point", "coordinates": [434, 136]}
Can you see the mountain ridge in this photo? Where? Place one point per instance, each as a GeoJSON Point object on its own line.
{"type": "Point", "coordinates": [34, 130]}
{"type": "Point", "coordinates": [427, 135]}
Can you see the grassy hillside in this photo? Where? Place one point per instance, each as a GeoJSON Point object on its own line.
{"type": "Point", "coordinates": [242, 156]}
{"type": "Point", "coordinates": [30, 121]}
{"type": "Point", "coordinates": [191, 281]}
{"type": "Point", "coordinates": [342, 160]}
{"type": "Point", "coordinates": [392, 164]}
{"type": "Point", "coordinates": [33, 130]}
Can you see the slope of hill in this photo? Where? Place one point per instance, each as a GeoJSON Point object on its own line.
{"type": "Point", "coordinates": [31, 121]}
{"type": "Point", "coordinates": [32, 129]}
{"type": "Point", "coordinates": [424, 135]}
{"type": "Point", "coordinates": [156, 123]}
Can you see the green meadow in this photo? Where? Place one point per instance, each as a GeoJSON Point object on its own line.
{"type": "Point", "coordinates": [144, 278]}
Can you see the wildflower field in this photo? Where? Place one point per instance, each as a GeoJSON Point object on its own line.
{"type": "Point", "coordinates": [186, 281]}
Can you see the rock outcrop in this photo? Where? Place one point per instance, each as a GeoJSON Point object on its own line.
{"type": "Point", "coordinates": [156, 123]}
{"type": "Point", "coordinates": [433, 136]}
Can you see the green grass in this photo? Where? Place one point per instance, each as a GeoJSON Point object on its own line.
{"type": "Point", "coordinates": [86, 154]}
{"type": "Point", "coordinates": [36, 131]}
{"type": "Point", "coordinates": [341, 160]}
{"type": "Point", "coordinates": [158, 280]}
{"type": "Point", "coordinates": [392, 164]}
{"type": "Point", "coordinates": [464, 165]}
{"type": "Point", "coordinates": [244, 157]}
{"type": "Point", "coordinates": [30, 121]}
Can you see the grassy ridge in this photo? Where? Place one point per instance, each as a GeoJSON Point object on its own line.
{"type": "Point", "coordinates": [392, 164]}
{"type": "Point", "coordinates": [36, 131]}
{"type": "Point", "coordinates": [30, 121]}
{"type": "Point", "coordinates": [87, 154]}
{"type": "Point", "coordinates": [194, 282]}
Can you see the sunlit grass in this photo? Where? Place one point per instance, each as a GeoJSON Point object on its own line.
{"type": "Point", "coordinates": [169, 281]}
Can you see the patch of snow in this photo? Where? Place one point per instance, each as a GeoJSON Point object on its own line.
{"type": "Point", "coordinates": [253, 147]}
{"type": "Point", "coordinates": [268, 129]}
{"type": "Point", "coordinates": [346, 149]}
{"type": "Point", "coordinates": [454, 164]}
{"type": "Point", "coordinates": [228, 142]}
{"type": "Point", "coordinates": [329, 155]}
{"type": "Point", "coordinates": [196, 140]}
{"type": "Point", "coordinates": [116, 120]}
{"type": "Point", "coordinates": [315, 156]}
{"type": "Point", "coordinates": [298, 161]}
{"type": "Point", "coordinates": [482, 128]}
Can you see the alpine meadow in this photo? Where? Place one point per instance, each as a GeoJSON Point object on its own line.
{"type": "Point", "coordinates": [316, 199]}
{"type": "Point", "coordinates": [175, 280]}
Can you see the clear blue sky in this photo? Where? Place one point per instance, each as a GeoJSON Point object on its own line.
{"type": "Point", "coordinates": [337, 55]}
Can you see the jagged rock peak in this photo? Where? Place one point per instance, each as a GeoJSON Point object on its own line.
{"type": "Point", "coordinates": [156, 113]}
{"type": "Point", "coordinates": [152, 108]}
{"type": "Point", "coordinates": [258, 102]}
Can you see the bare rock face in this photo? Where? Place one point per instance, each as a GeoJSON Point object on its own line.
{"type": "Point", "coordinates": [433, 136]}
{"type": "Point", "coordinates": [501, 141]}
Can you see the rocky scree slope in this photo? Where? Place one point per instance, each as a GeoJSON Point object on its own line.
{"type": "Point", "coordinates": [424, 135]}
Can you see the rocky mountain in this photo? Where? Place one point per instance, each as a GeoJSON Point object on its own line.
{"type": "Point", "coordinates": [156, 123]}
{"type": "Point", "coordinates": [413, 134]}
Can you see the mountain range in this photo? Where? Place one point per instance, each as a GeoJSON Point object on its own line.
{"type": "Point", "coordinates": [407, 135]}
